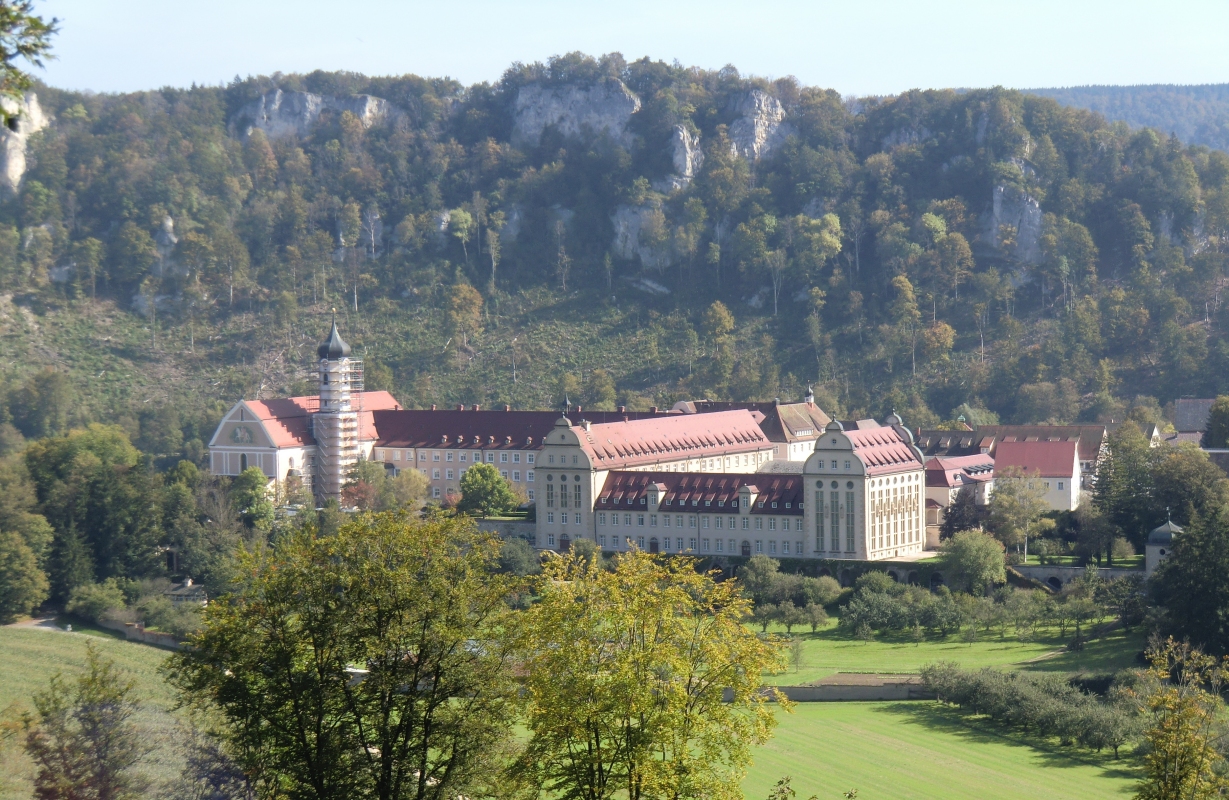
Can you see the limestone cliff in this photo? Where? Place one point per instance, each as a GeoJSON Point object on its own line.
{"type": "Point", "coordinates": [280, 114]}
{"type": "Point", "coordinates": [629, 222]}
{"type": "Point", "coordinates": [25, 118]}
{"type": "Point", "coordinates": [1017, 209]}
{"type": "Point", "coordinates": [760, 125]}
{"type": "Point", "coordinates": [687, 157]}
{"type": "Point", "coordinates": [603, 107]}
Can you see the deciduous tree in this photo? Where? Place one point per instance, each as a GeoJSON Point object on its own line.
{"type": "Point", "coordinates": [485, 492]}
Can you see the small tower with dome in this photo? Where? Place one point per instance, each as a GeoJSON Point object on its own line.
{"type": "Point", "coordinates": [1159, 545]}
{"type": "Point", "coordinates": [335, 424]}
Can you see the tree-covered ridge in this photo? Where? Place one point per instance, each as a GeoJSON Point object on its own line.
{"type": "Point", "coordinates": [1196, 114]}
{"type": "Point", "coordinates": [988, 248]}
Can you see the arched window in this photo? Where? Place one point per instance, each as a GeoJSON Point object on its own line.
{"type": "Point", "coordinates": [243, 461]}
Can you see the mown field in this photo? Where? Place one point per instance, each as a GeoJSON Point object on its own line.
{"type": "Point", "coordinates": [885, 750]}
{"type": "Point", "coordinates": [832, 649]}
{"type": "Point", "coordinates": [899, 751]}
{"type": "Point", "coordinates": [28, 658]}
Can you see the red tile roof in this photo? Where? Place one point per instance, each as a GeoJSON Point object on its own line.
{"type": "Point", "coordinates": [619, 445]}
{"type": "Point", "coordinates": [1046, 459]}
{"type": "Point", "coordinates": [288, 419]}
{"type": "Point", "coordinates": [696, 492]}
{"type": "Point", "coordinates": [781, 422]}
{"type": "Point", "coordinates": [957, 471]}
{"type": "Point", "coordinates": [489, 429]}
{"type": "Point", "coordinates": [882, 449]}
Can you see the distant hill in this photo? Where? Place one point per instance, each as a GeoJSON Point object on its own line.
{"type": "Point", "coordinates": [1197, 114]}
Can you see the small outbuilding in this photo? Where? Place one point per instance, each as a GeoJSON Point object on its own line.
{"type": "Point", "coordinates": [1159, 545]}
{"type": "Point", "coordinates": [187, 592]}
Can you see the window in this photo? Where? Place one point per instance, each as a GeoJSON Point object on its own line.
{"type": "Point", "coordinates": [531, 494]}
{"type": "Point", "coordinates": [516, 475]}
{"type": "Point", "coordinates": [652, 520]}
{"type": "Point", "coordinates": [529, 458]}
{"type": "Point", "coordinates": [422, 456]}
{"type": "Point", "coordinates": [704, 544]}
{"type": "Point", "coordinates": [834, 507]}
{"type": "Point", "coordinates": [243, 461]}
{"type": "Point", "coordinates": [435, 473]}
{"type": "Point", "coordinates": [529, 476]}
{"type": "Point", "coordinates": [640, 542]}
{"type": "Point", "coordinates": [718, 522]}
{"type": "Point", "coordinates": [746, 522]}
{"type": "Point", "coordinates": [435, 456]}
{"type": "Point", "coordinates": [1047, 485]}
{"type": "Point", "coordinates": [846, 465]}
{"type": "Point", "coordinates": [691, 543]}
{"type": "Point", "coordinates": [849, 535]}
{"type": "Point", "coordinates": [798, 524]}
{"type": "Point", "coordinates": [665, 520]}
{"type": "Point", "coordinates": [785, 548]}
{"type": "Point", "coordinates": [798, 548]}
{"type": "Point", "coordinates": [1060, 486]}
{"type": "Point", "coordinates": [550, 495]}
{"type": "Point", "coordinates": [772, 525]}
{"type": "Point", "coordinates": [490, 458]}
{"type": "Point", "coordinates": [576, 493]}
{"type": "Point", "coordinates": [614, 518]}
{"type": "Point", "coordinates": [449, 474]}
{"type": "Point", "coordinates": [550, 459]}
{"type": "Point", "coordinates": [396, 455]}
{"type": "Point", "coordinates": [448, 456]}
{"type": "Point", "coordinates": [550, 539]}
{"type": "Point", "coordinates": [772, 547]}
{"type": "Point", "coordinates": [575, 459]}
{"type": "Point", "coordinates": [759, 546]}
{"type": "Point", "coordinates": [462, 457]}
{"type": "Point", "coordinates": [379, 455]}
{"type": "Point", "coordinates": [503, 473]}
{"type": "Point", "coordinates": [834, 464]}
{"type": "Point", "coordinates": [601, 518]}
{"type": "Point", "coordinates": [627, 519]}
{"type": "Point", "coordinates": [640, 520]}
{"type": "Point", "coordinates": [516, 458]}
{"type": "Point", "coordinates": [601, 540]}
{"type": "Point", "coordinates": [721, 545]}
{"type": "Point", "coordinates": [435, 491]}
{"type": "Point", "coordinates": [705, 523]}
{"type": "Point", "coordinates": [503, 458]}
{"type": "Point", "coordinates": [678, 520]}
{"type": "Point", "coordinates": [759, 523]}
{"type": "Point", "coordinates": [563, 518]}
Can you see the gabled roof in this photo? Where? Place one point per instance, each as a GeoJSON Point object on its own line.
{"type": "Point", "coordinates": [883, 449]}
{"type": "Point", "coordinates": [1090, 438]}
{"type": "Point", "coordinates": [1046, 459]}
{"type": "Point", "coordinates": [781, 422]}
{"type": "Point", "coordinates": [1191, 414]}
{"type": "Point", "coordinates": [619, 445]}
{"type": "Point", "coordinates": [700, 493]}
{"type": "Point", "coordinates": [957, 471]}
{"type": "Point", "coordinates": [484, 429]}
{"type": "Point", "coordinates": [287, 420]}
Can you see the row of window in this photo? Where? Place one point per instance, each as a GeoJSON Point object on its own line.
{"type": "Point", "coordinates": [515, 476]}
{"type": "Point", "coordinates": [831, 517]}
{"type": "Point", "coordinates": [706, 522]}
{"type": "Point", "coordinates": [462, 456]}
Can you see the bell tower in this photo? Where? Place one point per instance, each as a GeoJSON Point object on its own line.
{"type": "Point", "coordinates": [335, 424]}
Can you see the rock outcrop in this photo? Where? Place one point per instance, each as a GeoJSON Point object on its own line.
{"type": "Point", "coordinates": [280, 114]}
{"type": "Point", "coordinates": [1017, 209]}
{"type": "Point", "coordinates": [628, 222]}
{"type": "Point", "coordinates": [688, 158]}
{"type": "Point", "coordinates": [603, 107]}
{"type": "Point", "coordinates": [25, 118]}
{"type": "Point", "coordinates": [760, 126]}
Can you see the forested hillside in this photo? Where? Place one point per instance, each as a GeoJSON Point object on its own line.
{"type": "Point", "coordinates": [1196, 114]}
{"type": "Point", "coordinates": [621, 232]}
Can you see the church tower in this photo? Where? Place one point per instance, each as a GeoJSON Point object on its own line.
{"type": "Point", "coordinates": [335, 425]}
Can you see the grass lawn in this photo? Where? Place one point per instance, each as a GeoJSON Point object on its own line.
{"type": "Point", "coordinates": [924, 750]}
{"type": "Point", "coordinates": [30, 657]}
{"type": "Point", "coordinates": [833, 650]}
{"type": "Point", "coordinates": [1134, 562]}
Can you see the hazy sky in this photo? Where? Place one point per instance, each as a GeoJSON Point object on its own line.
{"type": "Point", "coordinates": [858, 46]}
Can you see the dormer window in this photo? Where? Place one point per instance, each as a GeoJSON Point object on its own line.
{"type": "Point", "coordinates": [774, 503]}
{"type": "Point", "coordinates": [720, 504]}
{"type": "Point", "coordinates": [708, 502]}
{"type": "Point", "coordinates": [787, 505]}
{"type": "Point", "coordinates": [760, 504]}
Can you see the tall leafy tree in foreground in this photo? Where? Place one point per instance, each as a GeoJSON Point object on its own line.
{"type": "Point", "coordinates": [1185, 733]}
{"type": "Point", "coordinates": [24, 35]}
{"type": "Point", "coordinates": [642, 682]}
{"type": "Point", "coordinates": [82, 736]}
{"type": "Point", "coordinates": [370, 663]}
{"type": "Point", "coordinates": [1193, 584]}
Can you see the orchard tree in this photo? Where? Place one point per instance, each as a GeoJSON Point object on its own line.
{"type": "Point", "coordinates": [973, 561]}
{"type": "Point", "coordinates": [642, 682]}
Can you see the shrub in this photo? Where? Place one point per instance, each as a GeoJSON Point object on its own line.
{"type": "Point", "coordinates": [93, 601]}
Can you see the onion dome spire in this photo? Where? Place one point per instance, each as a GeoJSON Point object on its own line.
{"type": "Point", "coordinates": [333, 348]}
